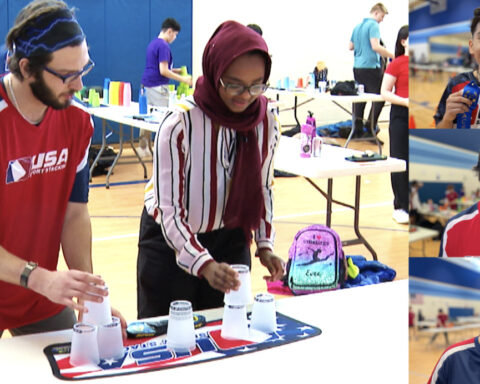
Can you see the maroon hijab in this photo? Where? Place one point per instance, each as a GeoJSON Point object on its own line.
{"type": "Point", "coordinates": [245, 203]}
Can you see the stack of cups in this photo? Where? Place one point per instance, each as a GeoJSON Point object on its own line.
{"type": "Point", "coordinates": [127, 94]}
{"type": "Point", "coordinates": [234, 324]}
{"type": "Point", "coordinates": [107, 332]}
{"type": "Point", "coordinates": [93, 98]}
{"type": "Point", "coordinates": [181, 330]}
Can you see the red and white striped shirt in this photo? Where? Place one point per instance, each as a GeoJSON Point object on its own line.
{"type": "Point", "coordinates": [192, 171]}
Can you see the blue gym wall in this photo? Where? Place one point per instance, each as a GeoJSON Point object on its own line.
{"type": "Point", "coordinates": [118, 32]}
{"type": "Point", "coordinates": [439, 277]}
{"type": "Point", "coordinates": [456, 19]}
{"type": "Point", "coordinates": [457, 11]}
{"type": "Point", "coordinates": [429, 153]}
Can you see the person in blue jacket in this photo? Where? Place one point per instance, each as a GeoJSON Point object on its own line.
{"type": "Point", "coordinates": [458, 364]}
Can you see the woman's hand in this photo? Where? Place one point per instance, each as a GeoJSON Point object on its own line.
{"type": "Point", "coordinates": [221, 276]}
{"type": "Point", "coordinates": [274, 264]}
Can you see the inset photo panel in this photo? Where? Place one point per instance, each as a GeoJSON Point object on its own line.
{"type": "Point", "coordinates": [444, 45]}
{"type": "Point", "coordinates": [444, 193]}
{"type": "Point", "coordinates": [444, 320]}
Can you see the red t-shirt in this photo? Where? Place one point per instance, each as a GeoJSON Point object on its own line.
{"type": "Point", "coordinates": [411, 319]}
{"type": "Point", "coordinates": [38, 166]}
{"type": "Point", "coordinates": [452, 196]}
{"type": "Point", "coordinates": [442, 320]}
{"type": "Point", "coordinates": [398, 68]}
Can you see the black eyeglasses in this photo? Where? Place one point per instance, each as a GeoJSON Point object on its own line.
{"type": "Point", "coordinates": [238, 89]}
{"type": "Point", "coordinates": [71, 77]}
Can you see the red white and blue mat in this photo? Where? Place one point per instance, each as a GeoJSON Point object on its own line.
{"type": "Point", "coordinates": [146, 355]}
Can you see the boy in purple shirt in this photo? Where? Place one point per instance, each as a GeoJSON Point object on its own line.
{"type": "Point", "coordinates": [158, 70]}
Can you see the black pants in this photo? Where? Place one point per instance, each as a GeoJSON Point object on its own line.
{"type": "Point", "coordinates": [160, 280]}
{"type": "Point", "coordinates": [371, 78]}
{"type": "Point", "coordinates": [398, 132]}
{"type": "Point", "coordinates": [435, 336]}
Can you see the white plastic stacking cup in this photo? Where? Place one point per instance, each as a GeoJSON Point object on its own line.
{"type": "Point", "coordinates": [322, 86]}
{"type": "Point", "coordinates": [98, 313]}
{"type": "Point", "coordinates": [84, 349]}
{"type": "Point", "coordinates": [264, 316]}
{"type": "Point", "coordinates": [234, 323]}
{"type": "Point", "coordinates": [181, 330]}
{"type": "Point", "coordinates": [243, 295]}
{"type": "Point", "coordinates": [110, 342]}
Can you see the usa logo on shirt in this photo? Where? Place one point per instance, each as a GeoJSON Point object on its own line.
{"type": "Point", "coordinates": [19, 170]}
{"type": "Point", "coordinates": [25, 167]}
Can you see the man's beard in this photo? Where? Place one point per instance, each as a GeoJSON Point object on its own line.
{"type": "Point", "coordinates": [43, 93]}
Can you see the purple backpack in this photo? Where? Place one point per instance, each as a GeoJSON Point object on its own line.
{"type": "Point", "coordinates": [316, 261]}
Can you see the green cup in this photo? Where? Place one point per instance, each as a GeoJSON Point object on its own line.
{"type": "Point", "coordinates": [96, 99]}
{"type": "Point", "coordinates": [171, 87]}
{"type": "Point", "coordinates": [90, 96]}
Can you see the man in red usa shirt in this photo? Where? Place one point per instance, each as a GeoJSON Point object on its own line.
{"type": "Point", "coordinates": [460, 237]}
{"type": "Point", "coordinates": [45, 137]}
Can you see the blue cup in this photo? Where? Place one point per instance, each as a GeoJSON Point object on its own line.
{"type": "Point", "coordinates": [106, 86]}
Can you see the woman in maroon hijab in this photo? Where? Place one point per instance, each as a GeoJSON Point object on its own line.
{"type": "Point", "coordinates": [211, 188]}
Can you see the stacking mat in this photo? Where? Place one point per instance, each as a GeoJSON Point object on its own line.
{"type": "Point", "coordinates": [146, 355]}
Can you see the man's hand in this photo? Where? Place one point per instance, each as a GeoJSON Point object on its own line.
{"type": "Point", "coordinates": [62, 287]}
{"type": "Point", "coordinates": [456, 104]}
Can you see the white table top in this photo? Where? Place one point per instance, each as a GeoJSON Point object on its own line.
{"type": "Point", "coordinates": [122, 115]}
{"type": "Point", "coordinates": [421, 234]}
{"type": "Point", "coordinates": [468, 319]}
{"type": "Point", "coordinates": [427, 323]}
{"type": "Point", "coordinates": [364, 339]}
{"type": "Point", "coordinates": [440, 67]}
{"type": "Point", "coordinates": [443, 215]}
{"type": "Point", "coordinates": [331, 163]}
{"type": "Point", "coordinates": [364, 97]}
{"type": "Point", "coordinates": [456, 328]}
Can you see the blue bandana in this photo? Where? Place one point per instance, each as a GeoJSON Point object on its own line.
{"type": "Point", "coordinates": [49, 33]}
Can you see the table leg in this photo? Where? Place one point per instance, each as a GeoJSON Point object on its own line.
{"type": "Point", "coordinates": [372, 130]}
{"type": "Point", "coordinates": [356, 219]}
{"type": "Point", "coordinates": [102, 148]}
{"type": "Point", "coordinates": [356, 209]}
{"type": "Point", "coordinates": [352, 131]}
{"type": "Point", "coordinates": [120, 150]}
{"type": "Point", "coordinates": [295, 112]}
{"type": "Point", "coordinates": [132, 144]}
{"type": "Point", "coordinates": [329, 202]}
